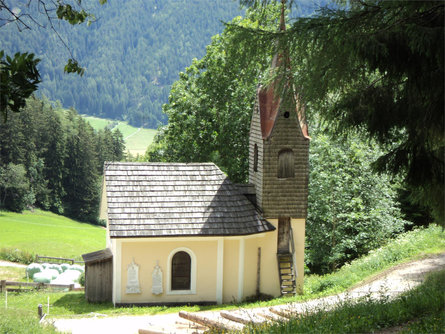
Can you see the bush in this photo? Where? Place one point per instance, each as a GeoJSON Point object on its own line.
{"type": "Point", "coordinates": [351, 209]}
{"type": "Point", "coordinates": [82, 279]}
{"type": "Point", "coordinates": [17, 255]}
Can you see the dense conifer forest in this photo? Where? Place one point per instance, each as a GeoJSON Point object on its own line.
{"type": "Point", "coordinates": [52, 159]}
{"type": "Point", "coordinates": [132, 53]}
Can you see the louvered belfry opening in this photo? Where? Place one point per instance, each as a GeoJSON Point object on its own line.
{"type": "Point", "coordinates": [181, 270]}
{"type": "Point", "coordinates": [286, 164]}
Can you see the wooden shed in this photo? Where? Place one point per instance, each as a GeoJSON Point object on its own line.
{"type": "Point", "coordinates": [98, 276]}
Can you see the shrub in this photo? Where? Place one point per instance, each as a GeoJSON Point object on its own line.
{"type": "Point", "coordinates": [17, 255]}
{"type": "Point", "coordinates": [82, 279]}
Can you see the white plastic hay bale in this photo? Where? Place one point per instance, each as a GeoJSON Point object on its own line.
{"type": "Point", "coordinates": [65, 266]}
{"type": "Point", "coordinates": [33, 268]}
{"type": "Point", "coordinates": [46, 265]}
{"type": "Point", "coordinates": [72, 275]}
{"type": "Point", "coordinates": [56, 266]}
{"type": "Point", "coordinates": [68, 277]}
{"type": "Point", "coordinates": [42, 277]}
{"type": "Point", "coordinates": [53, 272]}
{"type": "Point", "coordinates": [81, 269]}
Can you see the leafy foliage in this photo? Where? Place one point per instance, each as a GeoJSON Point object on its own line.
{"type": "Point", "coordinates": [19, 78]}
{"type": "Point", "coordinates": [210, 105]}
{"type": "Point", "coordinates": [351, 209]}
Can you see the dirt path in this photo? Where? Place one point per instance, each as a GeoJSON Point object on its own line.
{"type": "Point", "coordinates": [388, 285]}
{"type": "Point", "coordinates": [11, 264]}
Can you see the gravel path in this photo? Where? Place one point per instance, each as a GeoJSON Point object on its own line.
{"type": "Point", "coordinates": [388, 285]}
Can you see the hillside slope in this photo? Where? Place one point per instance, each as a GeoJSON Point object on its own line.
{"type": "Point", "coordinates": [132, 53]}
{"type": "Point", "coordinates": [136, 139]}
{"type": "Point", "coordinates": [45, 233]}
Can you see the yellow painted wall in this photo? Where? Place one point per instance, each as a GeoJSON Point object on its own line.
{"type": "Point", "coordinates": [230, 276]}
{"type": "Point", "coordinates": [270, 282]}
{"type": "Point", "coordinates": [251, 265]}
{"type": "Point", "coordinates": [298, 227]}
{"type": "Point", "coordinates": [147, 253]}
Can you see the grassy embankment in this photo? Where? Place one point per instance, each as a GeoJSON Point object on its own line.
{"type": "Point", "coordinates": [24, 235]}
{"type": "Point", "coordinates": [420, 310]}
{"type": "Point", "coordinates": [136, 139]}
{"type": "Point", "coordinates": [407, 247]}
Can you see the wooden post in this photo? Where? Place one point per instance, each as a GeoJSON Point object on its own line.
{"type": "Point", "coordinates": [3, 285]}
{"type": "Point", "coordinates": [258, 273]}
{"type": "Point", "coordinates": [40, 311]}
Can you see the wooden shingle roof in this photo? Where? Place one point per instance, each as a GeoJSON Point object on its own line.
{"type": "Point", "coordinates": [176, 199]}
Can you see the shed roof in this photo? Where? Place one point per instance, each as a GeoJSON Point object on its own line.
{"type": "Point", "coordinates": [97, 256]}
{"type": "Point", "coordinates": [176, 199]}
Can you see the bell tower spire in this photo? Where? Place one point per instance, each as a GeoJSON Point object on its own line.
{"type": "Point", "coordinates": [279, 164]}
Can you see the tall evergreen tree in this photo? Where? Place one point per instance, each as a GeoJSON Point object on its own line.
{"type": "Point", "coordinates": [376, 66]}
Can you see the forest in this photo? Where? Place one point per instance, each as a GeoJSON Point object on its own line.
{"type": "Point", "coordinates": [51, 158]}
{"type": "Point", "coordinates": [132, 52]}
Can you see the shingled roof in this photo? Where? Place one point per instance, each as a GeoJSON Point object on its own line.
{"type": "Point", "coordinates": [176, 199]}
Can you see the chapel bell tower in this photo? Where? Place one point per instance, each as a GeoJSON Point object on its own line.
{"type": "Point", "coordinates": [279, 168]}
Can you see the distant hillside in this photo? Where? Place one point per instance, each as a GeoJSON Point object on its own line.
{"type": "Point", "coordinates": [132, 53]}
{"type": "Point", "coordinates": [45, 233]}
{"type": "Point", "coordinates": [136, 139]}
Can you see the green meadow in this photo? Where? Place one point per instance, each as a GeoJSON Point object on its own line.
{"type": "Point", "coordinates": [45, 233]}
{"type": "Point", "coordinates": [136, 139]}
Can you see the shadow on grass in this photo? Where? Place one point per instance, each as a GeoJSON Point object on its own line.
{"type": "Point", "coordinates": [75, 303]}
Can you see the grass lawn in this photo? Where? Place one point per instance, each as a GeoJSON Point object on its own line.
{"type": "Point", "coordinates": [13, 274]}
{"type": "Point", "coordinates": [136, 140]}
{"type": "Point", "coordinates": [138, 143]}
{"type": "Point", "coordinates": [45, 233]}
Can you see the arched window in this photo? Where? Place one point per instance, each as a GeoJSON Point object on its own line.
{"type": "Point", "coordinates": [255, 158]}
{"type": "Point", "coordinates": [181, 271]}
{"type": "Point", "coordinates": [286, 165]}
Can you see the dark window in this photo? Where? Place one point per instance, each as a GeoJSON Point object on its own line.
{"type": "Point", "coordinates": [286, 165]}
{"type": "Point", "coordinates": [181, 269]}
{"type": "Point", "coordinates": [255, 158]}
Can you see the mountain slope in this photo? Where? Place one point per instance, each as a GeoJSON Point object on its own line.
{"type": "Point", "coordinates": [132, 53]}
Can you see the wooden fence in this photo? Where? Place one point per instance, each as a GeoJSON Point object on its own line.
{"type": "Point", "coordinates": [52, 259]}
{"type": "Point", "coordinates": [23, 286]}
